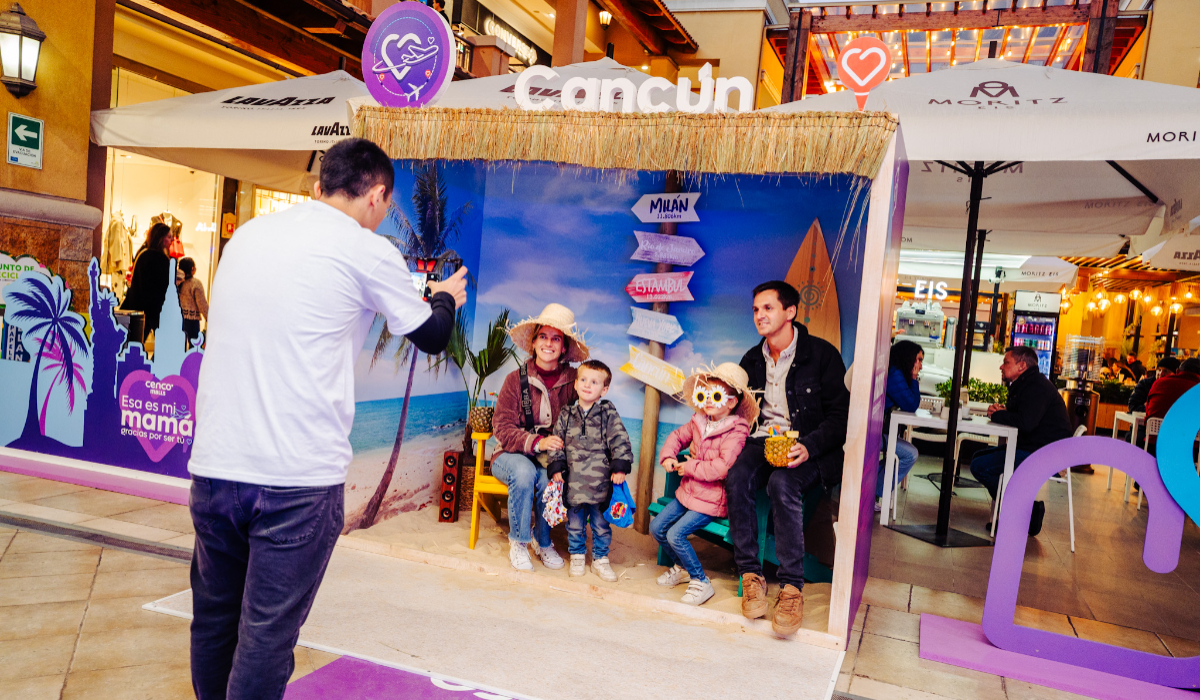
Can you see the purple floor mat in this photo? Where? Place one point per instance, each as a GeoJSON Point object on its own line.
{"type": "Point", "coordinates": [354, 678]}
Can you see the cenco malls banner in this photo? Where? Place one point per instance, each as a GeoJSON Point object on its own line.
{"type": "Point", "coordinates": [531, 235]}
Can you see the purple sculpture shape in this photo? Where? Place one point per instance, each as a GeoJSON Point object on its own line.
{"type": "Point", "coordinates": [1164, 534]}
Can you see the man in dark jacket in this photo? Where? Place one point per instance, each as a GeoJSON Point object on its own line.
{"type": "Point", "coordinates": [802, 380]}
{"type": "Point", "coordinates": [1035, 409]}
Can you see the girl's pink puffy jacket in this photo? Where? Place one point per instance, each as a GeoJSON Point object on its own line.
{"type": "Point", "coordinates": [703, 488]}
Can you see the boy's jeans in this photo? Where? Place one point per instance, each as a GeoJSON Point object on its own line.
{"type": "Point", "coordinates": [577, 518]}
{"type": "Point", "coordinates": [671, 528]}
{"type": "Point", "coordinates": [526, 480]}
{"type": "Point", "coordinates": [261, 552]}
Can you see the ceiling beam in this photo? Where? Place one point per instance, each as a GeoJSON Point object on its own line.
{"type": "Point", "coordinates": [963, 19]}
{"type": "Point", "coordinates": [265, 32]}
{"type": "Point", "coordinates": [635, 24]}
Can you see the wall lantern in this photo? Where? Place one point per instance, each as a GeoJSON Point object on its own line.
{"type": "Point", "coordinates": [20, 45]}
{"type": "Point", "coordinates": [605, 18]}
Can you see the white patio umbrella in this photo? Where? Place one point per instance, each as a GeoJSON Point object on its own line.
{"type": "Point", "coordinates": [1013, 272]}
{"type": "Point", "coordinates": [270, 134]}
{"type": "Point", "coordinates": [1099, 156]}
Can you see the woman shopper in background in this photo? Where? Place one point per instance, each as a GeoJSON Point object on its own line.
{"type": "Point", "coordinates": [151, 280]}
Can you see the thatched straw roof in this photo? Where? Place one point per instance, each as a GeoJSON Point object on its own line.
{"type": "Point", "coordinates": [750, 143]}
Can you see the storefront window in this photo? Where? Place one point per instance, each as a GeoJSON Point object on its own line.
{"type": "Point", "coordinates": [140, 188]}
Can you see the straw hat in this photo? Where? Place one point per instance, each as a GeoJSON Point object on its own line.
{"type": "Point", "coordinates": [734, 377]}
{"type": "Point", "coordinates": [555, 316]}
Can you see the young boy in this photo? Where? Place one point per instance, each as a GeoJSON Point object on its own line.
{"type": "Point", "coordinates": [596, 454]}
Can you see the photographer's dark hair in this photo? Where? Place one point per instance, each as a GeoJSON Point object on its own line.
{"type": "Point", "coordinates": [1022, 353]}
{"type": "Point", "coordinates": [353, 166]}
{"type": "Point", "coordinates": [156, 238]}
{"type": "Point", "coordinates": [598, 366]}
{"type": "Point", "coordinates": [788, 296]}
{"type": "Point", "coordinates": [904, 356]}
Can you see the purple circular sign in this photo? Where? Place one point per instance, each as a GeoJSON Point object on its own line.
{"type": "Point", "coordinates": [408, 57]}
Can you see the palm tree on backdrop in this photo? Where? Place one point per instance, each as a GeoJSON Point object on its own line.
{"type": "Point", "coordinates": [427, 238]}
{"type": "Point", "coordinates": [47, 305]}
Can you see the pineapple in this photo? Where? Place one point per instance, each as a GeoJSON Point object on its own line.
{"type": "Point", "coordinates": [480, 419]}
{"type": "Point", "coordinates": [777, 448]}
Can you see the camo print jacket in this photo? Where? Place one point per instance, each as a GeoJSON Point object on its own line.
{"type": "Point", "coordinates": [595, 446]}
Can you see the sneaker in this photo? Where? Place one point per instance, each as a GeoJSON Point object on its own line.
{"type": "Point", "coordinates": [577, 565]}
{"type": "Point", "coordinates": [673, 576]}
{"type": "Point", "coordinates": [789, 611]}
{"type": "Point", "coordinates": [754, 596]}
{"type": "Point", "coordinates": [549, 556]}
{"type": "Point", "coordinates": [601, 568]}
{"type": "Point", "coordinates": [878, 505]}
{"type": "Point", "coordinates": [697, 593]}
{"type": "Point", "coordinates": [518, 556]}
{"type": "Point", "coordinates": [1035, 520]}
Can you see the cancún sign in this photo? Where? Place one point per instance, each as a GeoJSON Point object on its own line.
{"type": "Point", "coordinates": [580, 94]}
{"type": "Point", "coordinates": [408, 56]}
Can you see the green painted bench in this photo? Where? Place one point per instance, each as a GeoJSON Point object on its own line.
{"type": "Point", "coordinates": [717, 531]}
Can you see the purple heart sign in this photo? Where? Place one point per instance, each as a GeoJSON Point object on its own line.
{"type": "Point", "coordinates": [408, 57]}
{"type": "Point", "coordinates": [158, 412]}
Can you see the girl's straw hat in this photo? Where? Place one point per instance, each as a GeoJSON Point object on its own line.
{"type": "Point", "coordinates": [735, 378]}
{"type": "Point", "coordinates": [555, 316]}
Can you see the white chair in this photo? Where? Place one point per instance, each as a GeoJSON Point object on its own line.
{"type": "Point", "coordinates": [1070, 497]}
{"type": "Point", "coordinates": [1153, 425]}
{"type": "Point", "coordinates": [934, 405]}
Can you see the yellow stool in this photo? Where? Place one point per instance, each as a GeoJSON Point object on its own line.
{"type": "Point", "coordinates": [488, 490]}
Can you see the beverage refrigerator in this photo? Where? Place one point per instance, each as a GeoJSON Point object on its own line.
{"type": "Point", "coordinates": [1035, 325]}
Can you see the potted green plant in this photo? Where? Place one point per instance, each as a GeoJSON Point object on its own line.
{"type": "Point", "coordinates": [978, 391]}
{"type": "Point", "coordinates": [476, 366]}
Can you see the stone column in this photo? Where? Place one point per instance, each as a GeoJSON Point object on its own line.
{"type": "Point", "coordinates": [570, 24]}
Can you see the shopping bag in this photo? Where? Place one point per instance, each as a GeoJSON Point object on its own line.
{"type": "Point", "coordinates": [620, 508]}
{"type": "Point", "coordinates": [176, 249]}
{"type": "Point", "coordinates": [555, 511]}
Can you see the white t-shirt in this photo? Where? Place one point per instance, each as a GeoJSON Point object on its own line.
{"type": "Point", "coordinates": [292, 302]}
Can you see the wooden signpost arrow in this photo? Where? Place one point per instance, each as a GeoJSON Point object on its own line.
{"type": "Point", "coordinates": [650, 370]}
{"type": "Point", "coordinates": [669, 207]}
{"type": "Point", "coordinates": [652, 325]}
{"type": "Point", "coordinates": [673, 250]}
{"type": "Point", "coordinates": [660, 287]}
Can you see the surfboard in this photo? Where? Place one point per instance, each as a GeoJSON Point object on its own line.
{"type": "Point", "coordinates": [811, 274]}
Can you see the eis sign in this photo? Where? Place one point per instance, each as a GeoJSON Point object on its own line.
{"type": "Point", "coordinates": [408, 56]}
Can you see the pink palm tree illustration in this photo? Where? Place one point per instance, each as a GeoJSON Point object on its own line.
{"type": "Point", "coordinates": [67, 372]}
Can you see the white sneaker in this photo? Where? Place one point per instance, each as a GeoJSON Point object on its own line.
{"type": "Point", "coordinates": [601, 568]}
{"type": "Point", "coordinates": [673, 576]}
{"type": "Point", "coordinates": [577, 565]}
{"type": "Point", "coordinates": [549, 556]}
{"type": "Point", "coordinates": [518, 556]}
{"type": "Point", "coordinates": [697, 593]}
{"type": "Point", "coordinates": [878, 505]}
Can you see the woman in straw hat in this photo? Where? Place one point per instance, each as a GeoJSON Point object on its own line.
{"type": "Point", "coordinates": [725, 410]}
{"type": "Point", "coordinates": [529, 401]}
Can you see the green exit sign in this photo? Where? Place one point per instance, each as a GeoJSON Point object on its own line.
{"type": "Point", "coordinates": [25, 138]}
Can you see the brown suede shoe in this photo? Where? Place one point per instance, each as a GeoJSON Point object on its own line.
{"type": "Point", "coordinates": [789, 611]}
{"type": "Point", "coordinates": [754, 596]}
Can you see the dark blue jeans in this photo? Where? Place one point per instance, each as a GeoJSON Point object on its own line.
{"type": "Point", "coordinates": [578, 518]}
{"type": "Point", "coordinates": [671, 528]}
{"type": "Point", "coordinates": [987, 466]}
{"type": "Point", "coordinates": [261, 552]}
{"type": "Point", "coordinates": [786, 487]}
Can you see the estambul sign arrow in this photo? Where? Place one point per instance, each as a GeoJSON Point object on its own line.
{"type": "Point", "coordinates": [651, 325]}
{"type": "Point", "coordinates": [669, 208]}
{"type": "Point", "coordinates": [660, 286]}
{"type": "Point", "coordinates": [661, 248]}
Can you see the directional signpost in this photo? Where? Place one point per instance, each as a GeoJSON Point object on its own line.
{"type": "Point", "coordinates": [25, 137]}
{"type": "Point", "coordinates": [667, 208]}
{"type": "Point", "coordinates": [652, 325]}
{"type": "Point", "coordinates": [660, 286]}
{"type": "Point", "coordinates": [650, 370]}
{"type": "Point", "coordinates": [673, 250]}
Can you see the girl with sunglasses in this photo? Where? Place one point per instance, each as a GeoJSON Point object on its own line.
{"type": "Point", "coordinates": [714, 437]}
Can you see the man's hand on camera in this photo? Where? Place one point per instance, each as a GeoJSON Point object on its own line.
{"type": "Point", "coordinates": [455, 285]}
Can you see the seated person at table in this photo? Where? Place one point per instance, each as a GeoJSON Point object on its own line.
{"type": "Point", "coordinates": [1035, 409]}
{"type": "Point", "coordinates": [1135, 366]}
{"type": "Point", "coordinates": [904, 394]}
{"type": "Point", "coordinates": [1166, 391]}
{"type": "Point", "coordinates": [1137, 400]}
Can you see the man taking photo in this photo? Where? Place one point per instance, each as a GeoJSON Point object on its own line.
{"type": "Point", "coordinates": [293, 300]}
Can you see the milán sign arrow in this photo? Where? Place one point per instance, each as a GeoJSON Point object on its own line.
{"type": "Point", "coordinates": [660, 286]}
{"type": "Point", "coordinates": [669, 208]}
{"type": "Point", "coordinates": [660, 248]}
{"type": "Point", "coordinates": [651, 325]}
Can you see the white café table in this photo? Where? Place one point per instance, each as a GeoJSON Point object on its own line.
{"type": "Point", "coordinates": [978, 425]}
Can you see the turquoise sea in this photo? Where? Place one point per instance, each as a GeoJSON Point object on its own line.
{"type": "Point", "coordinates": [375, 422]}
